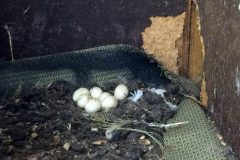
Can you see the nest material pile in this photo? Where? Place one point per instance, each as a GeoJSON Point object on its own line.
{"type": "Point", "coordinates": [47, 124]}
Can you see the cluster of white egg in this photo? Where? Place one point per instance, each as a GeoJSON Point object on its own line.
{"type": "Point", "coordinates": [94, 99]}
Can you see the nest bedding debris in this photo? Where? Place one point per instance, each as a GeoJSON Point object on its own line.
{"type": "Point", "coordinates": [47, 124]}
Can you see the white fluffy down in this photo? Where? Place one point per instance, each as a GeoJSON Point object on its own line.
{"type": "Point", "coordinates": [121, 92]}
{"type": "Point", "coordinates": [158, 91]}
{"type": "Point", "coordinates": [81, 91]}
{"type": "Point", "coordinates": [136, 95]}
{"type": "Point", "coordinates": [92, 106]}
{"type": "Point", "coordinates": [82, 101]}
{"type": "Point", "coordinates": [96, 92]}
{"type": "Point", "coordinates": [109, 102]}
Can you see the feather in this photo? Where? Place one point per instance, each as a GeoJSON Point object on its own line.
{"type": "Point", "coordinates": [136, 95]}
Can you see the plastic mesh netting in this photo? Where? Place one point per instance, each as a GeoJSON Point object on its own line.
{"type": "Point", "coordinates": [197, 140]}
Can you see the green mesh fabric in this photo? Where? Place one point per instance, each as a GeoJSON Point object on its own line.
{"type": "Point", "coordinates": [194, 141]}
{"type": "Point", "coordinates": [100, 65]}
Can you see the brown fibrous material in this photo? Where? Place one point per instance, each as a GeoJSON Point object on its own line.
{"type": "Point", "coordinates": [160, 39]}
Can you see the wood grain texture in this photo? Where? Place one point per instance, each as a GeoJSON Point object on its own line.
{"type": "Point", "coordinates": [43, 27]}
{"type": "Point", "coordinates": [184, 63]}
{"type": "Point", "coordinates": [220, 23]}
{"type": "Point", "coordinates": [196, 55]}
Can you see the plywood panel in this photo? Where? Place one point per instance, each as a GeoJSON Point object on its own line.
{"type": "Point", "coordinates": [196, 56]}
{"type": "Point", "coordinates": [42, 27]}
{"type": "Point", "coordinates": [220, 24]}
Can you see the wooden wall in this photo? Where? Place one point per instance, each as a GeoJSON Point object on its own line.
{"type": "Point", "coordinates": [220, 24]}
{"type": "Point", "coordinates": [42, 27]}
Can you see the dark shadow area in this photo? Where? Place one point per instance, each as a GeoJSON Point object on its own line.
{"type": "Point", "coordinates": [220, 30]}
{"type": "Point", "coordinates": [44, 27]}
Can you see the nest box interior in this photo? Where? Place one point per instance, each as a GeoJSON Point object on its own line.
{"type": "Point", "coordinates": [182, 35]}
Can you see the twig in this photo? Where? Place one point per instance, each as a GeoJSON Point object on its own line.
{"type": "Point", "coordinates": [164, 126]}
{"type": "Point", "coordinates": [195, 100]}
{"type": "Point", "coordinates": [146, 133]}
{"type": "Point", "coordinates": [150, 134]}
{"type": "Point", "coordinates": [26, 10]}
{"type": "Point", "coordinates": [167, 126]}
{"type": "Point", "coordinates": [10, 41]}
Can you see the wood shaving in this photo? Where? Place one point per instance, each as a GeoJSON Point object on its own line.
{"type": "Point", "coordinates": [99, 142]}
{"type": "Point", "coordinates": [66, 146]}
{"type": "Point", "coordinates": [145, 142]}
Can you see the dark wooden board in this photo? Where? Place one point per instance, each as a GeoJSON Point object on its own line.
{"type": "Point", "coordinates": [42, 27]}
{"type": "Point", "coordinates": [221, 29]}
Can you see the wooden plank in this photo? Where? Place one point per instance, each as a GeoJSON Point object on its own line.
{"type": "Point", "coordinates": [196, 55]}
{"type": "Point", "coordinates": [184, 55]}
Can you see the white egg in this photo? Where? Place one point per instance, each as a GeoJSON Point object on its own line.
{"type": "Point", "coordinates": [82, 101]}
{"type": "Point", "coordinates": [103, 96]}
{"type": "Point", "coordinates": [96, 92]}
{"type": "Point", "coordinates": [121, 92]}
{"type": "Point", "coordinates": [109, 102]}
{"type": "Point", "coordinates": [92, 106]}
{"type": "Point", "coordinates": [81, 91]}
